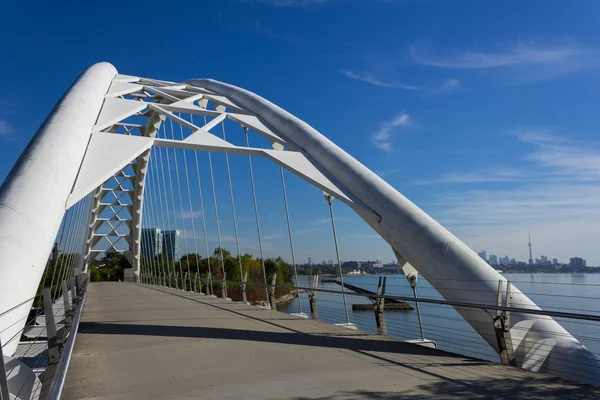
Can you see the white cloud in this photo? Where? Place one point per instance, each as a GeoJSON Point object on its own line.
{"type": "Point", "coordinates": [563, 219]}
{"type": "Point", "coordinates": [552, 158]}
{"type": "Point", "coordinates": [542, 61]}
{"type": "Point", "coordinates": [387, 172]}
{"type": "Point", "coordinates": [320, 221]}
{"type": "Point", "coordinates": [193, 215]}
{"type": "Point", "coordinates": [450, 85]}
{"type": "Point", "coordinates": [6, 129]}
{"type": "Point", "coordinates": [368, 78]}
{"type": "Point", "coordinates": [381, 137]}
{"type": "Point", "coordinates": [557, 197]}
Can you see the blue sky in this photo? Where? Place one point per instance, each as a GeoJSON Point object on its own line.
{"type": "Point", "coordinates": [484, 114]}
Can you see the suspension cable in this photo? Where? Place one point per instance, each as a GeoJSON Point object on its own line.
{"type": "Point", "coordinates": [187, 180]}
{"type": "Point", "coordinates": [209, 291]}
{"type": "Point", "coordinates": [289, 226]}
{"type": "Point", "coordinates": [260, 246]}
{"type": "Point", "coordinates": [235, 229]}
{"type": "Point", "coordinates": [329, 199]}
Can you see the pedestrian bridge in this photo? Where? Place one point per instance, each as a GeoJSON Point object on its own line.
{"type": "Point", "coordinates": [146, 342]}
{"type": "Point", "coordinates": [137, 180]}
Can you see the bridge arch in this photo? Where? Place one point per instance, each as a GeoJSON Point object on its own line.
{"type": "Point", "coordinates": [97, 142]}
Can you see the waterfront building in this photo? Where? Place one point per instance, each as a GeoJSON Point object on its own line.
{"type": "Point", "coordinates": [483, 255]}
{"type": "Point", "coordinates": [152, 243]}
{"type": "Point", "coordinates": [171, 244]}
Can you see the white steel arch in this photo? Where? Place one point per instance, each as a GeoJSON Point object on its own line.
{"type": "Point", "coordinates": [94, 119]}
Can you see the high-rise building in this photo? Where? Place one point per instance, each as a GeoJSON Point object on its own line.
{"type": "Point", "coordinates": [152, 243]}
{"type": "Point", "coordinates": [577, 262]}
{"type": "Point", "coordinates": [530, 253]}
{"type": "Point", "coordinates": [309, 260]}
{"type": "Point", "coordinates": [483, 255]}
{"type": "Point", "coordinates": [504, 260]}
{"type": "Point", "coordinates": [493, 259]}
{"type": "Point", "coordinates": [171, 245]}
{"type": "Point", "coordinates": [554, 261]}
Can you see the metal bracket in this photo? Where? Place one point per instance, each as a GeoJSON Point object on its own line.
{"type": "Point", "coordinates": [379, 306]}
{"type": "Point", "coordinates": [502, 327]}
{"type": "Point", "coordinates": [52, 337]}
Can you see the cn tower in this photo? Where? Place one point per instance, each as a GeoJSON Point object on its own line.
{"type": "Point", "coordinates": [530, 255]}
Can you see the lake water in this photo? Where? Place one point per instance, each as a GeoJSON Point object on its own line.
{"type": "Point", "coordinates": [576, 293]}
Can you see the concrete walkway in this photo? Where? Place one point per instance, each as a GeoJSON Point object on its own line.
{"type": "Point", "coordinates": [142, 342]}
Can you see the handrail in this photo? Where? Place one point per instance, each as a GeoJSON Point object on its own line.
{"type": "Point", "coordinates": [485, 307]}
{"type": "Point", "coordinates": [63, 365]}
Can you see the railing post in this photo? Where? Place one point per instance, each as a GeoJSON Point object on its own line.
{"type": "Point", "coordinates": [312, 299]}
{"type": "Point", "coordinates": [272, 300]}
{"type": "Point", "coordinates": [502, 328]}
{"type": "Point", "coordinates": [53, 353]}
{"type": "Point", "coordinates": [185, 282]}
{"type": "Point", "coordinates": [224, 286]}
{"type": "Point", "coordinates": [65, 293]}
{"type": "Point", "coordinates": [199, 283]}
{"type": "Point", "coordinates": [4, 394]}
{"type": "Point", "coordinates": [243, 288]}
{"type": "Point", "coordinates": [378, 308]}
{"type": "Point", "coordinates": [73, 292]}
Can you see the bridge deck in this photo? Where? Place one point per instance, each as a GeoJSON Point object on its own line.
{"type": "Point", "coordinates": [138, 342]}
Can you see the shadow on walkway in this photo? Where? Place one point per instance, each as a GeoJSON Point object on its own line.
{"type": "Point", "coordinates": [335, 341]}
{"type": "Point", "coordinates": [542, 387]}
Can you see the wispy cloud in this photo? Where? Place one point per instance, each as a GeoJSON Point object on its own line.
{"type": "Point", "coordinates": [449, 85]}
{"type": "Point", "coordinates": [6, 129]}
{"type": "Point", "coordinates": [320, 221]}
{"type": "Point", "coordinates": [382, 137]}
{"type": "Point", "coordinates": [556, 196]}
{"type": "Point", "coordinates": [273, 236]}
{"type": "Point", "coordinates": [544, 61]}
{"type": "Point", "coordinates": [370, 79]}
{"type": "Point", "coordinates": [390, 171]}
{"type": "Point", "coordinates": [190, 215]}
{"type": "Point", "coordinates": [552, 158]}
{"type": "Point", "coordinates": [563, 219]}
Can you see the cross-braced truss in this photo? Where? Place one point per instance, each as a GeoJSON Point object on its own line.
{"type": "Point", "coordinates": [128, 126]}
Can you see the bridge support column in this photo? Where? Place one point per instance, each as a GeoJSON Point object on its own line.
{"type": "Point", "coordinates": [378, 308]}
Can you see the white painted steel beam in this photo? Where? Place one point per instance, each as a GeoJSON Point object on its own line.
{"type": "Point", "coordinates": [33, 196]}
{"type": "Point", "coordinates": [455, 270]}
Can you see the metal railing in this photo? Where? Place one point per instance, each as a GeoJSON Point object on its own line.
{"type": "Point", "coordinates": [38, 369]}
{"type": "Point", "coordinates": [439, 324]}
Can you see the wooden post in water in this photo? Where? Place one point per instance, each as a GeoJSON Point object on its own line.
{"type": "Point", "coordinates": [378, 308]}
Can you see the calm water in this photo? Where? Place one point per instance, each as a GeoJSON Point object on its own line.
{"type": "Point", "coordinates": [577, 293]}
